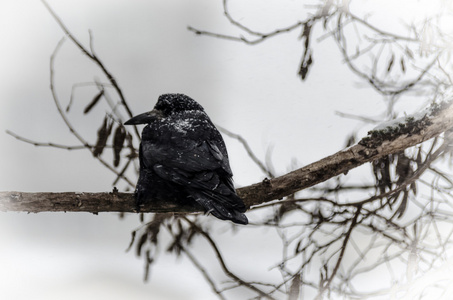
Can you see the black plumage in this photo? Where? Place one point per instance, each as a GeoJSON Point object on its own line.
{"type": "Point", "coordinates": [183, 159]}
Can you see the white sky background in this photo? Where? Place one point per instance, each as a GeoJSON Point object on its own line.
{"type": "Point", "coordinates": [251, 90]}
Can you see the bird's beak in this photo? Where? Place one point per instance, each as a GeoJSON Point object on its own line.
{"type": "Point", "coordinates": [145, 118]}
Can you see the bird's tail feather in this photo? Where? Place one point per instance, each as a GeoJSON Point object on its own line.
{"type": "Point", "coordinates": [221, 212]}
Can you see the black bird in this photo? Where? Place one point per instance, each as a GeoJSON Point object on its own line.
{"type": "Point", "coordinates": [183, 159]}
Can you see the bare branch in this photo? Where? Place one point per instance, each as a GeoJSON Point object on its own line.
{"type": "Point", "coordinates": [80, 202]}
{"type": "Point", "coordinates": [93, 57]}
{"type": "Point", "coordinates": [248, 150]}
{"type": "Point", "coordinates": [53, 145]}
{"type": "Point", "coordinates": [277, 188]}
{"type": "Point", "coordinates": [225, 268]}
{"type": "Point", "coordinates": [342, 161]}
{"type": "Point", "coordinates": [347, 236]}
{"type": "Point", "coordinates": [66, 120]}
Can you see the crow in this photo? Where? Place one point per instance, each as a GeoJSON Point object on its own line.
{"type": "Point", "coordinates": [183, 160]}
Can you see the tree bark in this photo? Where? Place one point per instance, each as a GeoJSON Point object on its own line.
{"type": "Point", "coordinates": [373, 147]}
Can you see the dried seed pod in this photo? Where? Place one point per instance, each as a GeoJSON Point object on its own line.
{"type": "Point", "coordinates": [381, 170]}
{"type": "Point", "coordinates": [307, 58]}
{"type": "Point", "coordinates": [403, 65]}
{"type": "Point", "coordinates": [93, 102]}
{"type": "Point", "coordinates": [118, 143]}
{"type": "Point", "coordinates": [390, 64]}
{"type": "Point", "coordinates": [103, 134]}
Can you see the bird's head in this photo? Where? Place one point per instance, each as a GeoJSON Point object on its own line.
{"type": "Point", "coordinates": [166, 105]}
{"type": "Point", "coordinates": [174, 103]}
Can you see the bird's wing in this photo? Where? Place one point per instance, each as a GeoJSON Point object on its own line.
{"type": "Point", "coordinates": [201, 157]}
{"type": "Point", "coordinates": [197, 147]}
{"type": "Point", "coordinates": [189, 157]}
{"type": "Point", "coordinates": [203, 185]}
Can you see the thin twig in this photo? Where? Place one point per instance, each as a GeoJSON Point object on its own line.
{"type": "Point", "coordinates": [340, 257]}
{"type": "Point", "coordinates": [66, 120]}
{"type": "Point", "coordinates": [200, 267]}
{"type": "Point", "coordinates": [93, 57]}
{"type": "Point", "coordinates": [221, 260]}
{"type": "Point", "coordinates": [53, 145]}
{"type": "Point", "coordinates": [248, 150]}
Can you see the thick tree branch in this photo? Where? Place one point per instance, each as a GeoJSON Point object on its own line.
{"type": "Point", "coordinates": [369, 149]}
{"type": "Point", "coordinates": [345, 160]}
{"type": "Point", "coordinates": [79, 202]}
